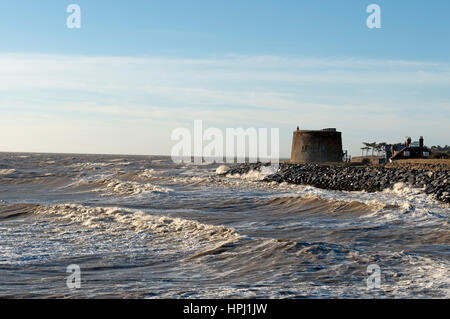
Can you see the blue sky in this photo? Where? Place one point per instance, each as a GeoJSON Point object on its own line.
{"type": "Point", "coordinates": [138, 69]}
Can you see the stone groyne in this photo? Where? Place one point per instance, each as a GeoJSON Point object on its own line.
{"type": "Point", "coordinates": [432, 180]}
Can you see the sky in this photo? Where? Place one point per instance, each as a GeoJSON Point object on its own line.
{"type": "Point", "coordinates": [137, 70]}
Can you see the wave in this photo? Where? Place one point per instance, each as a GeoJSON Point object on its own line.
{"type": "Point", "coordinates": [7, 171]}
{"type": "Point", "coordinates": [11, 211]}
{"type": "Point", "coordinates": [313, 203]}
{"type": "Point", "coordinates": [69, 231]}
{"type": "Point", "coordinates": [115, 160]}
{"type": "Point", "coordinates": [130, 188]}
{"type": "Point", "coordinates": [221, 254]}
{"type": "Point", "coordinates": [222, 169]}
{"type": "Point", "coordinates": [113, 219]}
{"type": "Point", "coordinates": [147, 173]}
{"type": "Point", "coordinates": [254, 174]}
{"type": "Point", "coordinates": [96, 165]}
{"type": "Point", "coordinates": [401, 197]}
{"type": "Point", "coordinates": [112, 186]}
{"type": "Point", "coordinates": [167, 178]}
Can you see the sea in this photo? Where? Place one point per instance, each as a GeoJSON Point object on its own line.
{"type": "Point", "coordinates": [146, 227]}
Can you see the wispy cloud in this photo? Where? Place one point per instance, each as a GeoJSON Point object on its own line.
{"type": "Point", "coordinates": [362, 97]}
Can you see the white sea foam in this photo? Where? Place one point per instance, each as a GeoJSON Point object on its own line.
{"type": "Point", "coordinates": [115, 160]}
{"type": "Point", "coordinates": [424, 274]}
{"type": "Point", "coordinates": [191, 233]}
{"type": "Point", "coordinates": [130, 188]}
{"type": "Point", "coordinates": [99, 164]}
{"type": "Point", "coordinates": [89, 164]}
{"type": "Point", "coordinates": [260, 174]}
{"type": "Point", "coordinates": [106, 185]}
{"type": "Point", "coordinates": [408, 200]}
{"type": "Point", "coordinates": [7, 171]}
{"type": "Point", "coordinates": [400, 202]}
{"type": "Point", "coordinates": [222, 169]}
{"type": "Point", "coordinates": [150, 173]}
{"type": "Point", "coordinates": [253, 175]}
{"type": "Point", "coordinates": [147, 173]}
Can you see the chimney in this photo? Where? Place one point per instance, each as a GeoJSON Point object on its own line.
{"type": "Point", "coordinates": [408, 142]}
{"type": "Point", "coordinates": [421, 141]}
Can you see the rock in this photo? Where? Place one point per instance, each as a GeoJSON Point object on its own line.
{"type": "Point", "coordinates": [352, 178]}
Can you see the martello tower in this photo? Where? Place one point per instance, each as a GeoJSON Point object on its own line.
{"type": "Point", "coordinates": [316, 146]}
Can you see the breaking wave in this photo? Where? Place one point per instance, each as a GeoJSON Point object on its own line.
{"type": "Point", "coordinates": [7, 171]}
{"type": "Point", "coordinates": [113, 219]}
{"type": "Point", "coordinates": [111, 186]}
{"type": "Point", "coordinates": [97, 165]}
{"type": "Point", "coordinates": [255, 174]}
{"type": "Point", "coordinates": [129, 188]}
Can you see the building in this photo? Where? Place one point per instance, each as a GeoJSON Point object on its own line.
{"type": "Point", "coordinates": [316, 146]}
{"type": "Point", "coordinates": [392, 149]}
{"type": "Point", "coordinates": [410, 150]}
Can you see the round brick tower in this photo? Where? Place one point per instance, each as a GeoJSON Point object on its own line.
{"type": "Point", "coordinates": [310, 146]}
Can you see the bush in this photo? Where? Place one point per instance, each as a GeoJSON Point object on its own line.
{"type": "Point", "coordinates": [439, 155]}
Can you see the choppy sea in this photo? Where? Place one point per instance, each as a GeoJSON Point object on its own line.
{"type": "Point", "coordinates": [144, 227]}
